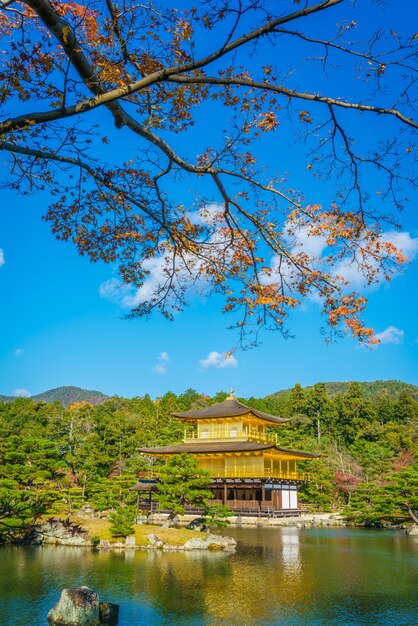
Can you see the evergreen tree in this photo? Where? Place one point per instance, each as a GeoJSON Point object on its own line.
{"type": "Point", "coordinates": [385, 407]}
{"type": "Point", "coordinates": [297, 400]}
{"type": "Point", "coordinates": [122, 522]}
{"type": "Point", "coordinates": [405, 407]}
{"type": "Point", "coordinates": [320, 409]}
{"type": "Point", "coordinates": [182, 483]}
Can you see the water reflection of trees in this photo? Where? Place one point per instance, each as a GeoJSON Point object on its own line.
{"type": "Point", "coordinates": [278, 577]}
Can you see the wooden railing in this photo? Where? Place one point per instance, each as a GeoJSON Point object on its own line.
{"type": "Point", "coordinates": [243, 473]}
{"type": "Point", "coordinates": [238, 508]}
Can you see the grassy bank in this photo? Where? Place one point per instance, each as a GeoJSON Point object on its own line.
{"type": "Point", "coordinates": [101, 528]}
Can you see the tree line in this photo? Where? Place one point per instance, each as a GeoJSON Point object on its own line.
{"type": "Point", "coordinates": [55, 460]}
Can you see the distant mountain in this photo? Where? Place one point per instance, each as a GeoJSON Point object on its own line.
{"type": "Point", "coordinates": [69, 395]}
{"type": "Point", "coordinates": [370, 389]}
{"type": "Point", "coordinates": [7, 398]}
{"type": "Point", "coordinates": [65, 395]}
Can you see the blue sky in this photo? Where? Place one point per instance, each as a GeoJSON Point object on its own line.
{"type": "Point", "coordinates": [57, 329]}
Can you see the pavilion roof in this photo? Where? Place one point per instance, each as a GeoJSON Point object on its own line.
{"type": "Point", "coordinates": [223, 447]}
{"type": "Point", "coordinates": [228, 408]}
{"type": "Point", "coordinates": [144, 485]}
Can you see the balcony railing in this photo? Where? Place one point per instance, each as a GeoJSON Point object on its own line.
{"type": "Point", "coordinates": [225, 434]}
{"type": "Point", "coordinates": [243, 473]}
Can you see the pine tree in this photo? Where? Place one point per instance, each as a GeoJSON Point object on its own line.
{"type": "Point", "coordinates": [405, 407]}
{"type": "Point", "coordinates": [182, 483]}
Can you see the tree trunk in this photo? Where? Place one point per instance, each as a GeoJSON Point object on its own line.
{"type": "Point", "coordinates": [84, 485]}
{"type": "Point", "coordinates": [170, 519]}
{"type": "Point", "coordinates": [411, 513]}
{"type": "Point", "coordinates": [318, 428]}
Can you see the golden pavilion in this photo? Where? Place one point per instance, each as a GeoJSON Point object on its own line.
{"type": "Point", "coordinates": [249, 470]}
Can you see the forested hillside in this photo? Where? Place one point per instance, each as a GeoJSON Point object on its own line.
{"type": "Point", "coordinates": [69, 395]}
{"type": "Point", "coordinates": [370, 389]}
{"type": "Point", "coordinates": [54, 459]}
{"type": "Point", "coordinates": [65, 395]}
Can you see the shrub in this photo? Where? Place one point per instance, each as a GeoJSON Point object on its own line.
{"type": "Point", "coordinates": [217, 514]}
{"type": "Point", "coordinates": [122, 522]}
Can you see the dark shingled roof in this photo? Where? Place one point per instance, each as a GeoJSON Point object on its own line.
{"type": "Point", "coordinates": [145, 485]}
{"type": "Point", "coordinates": [228, 408]}
{"type": "Point", "coordinates": [233, 446]}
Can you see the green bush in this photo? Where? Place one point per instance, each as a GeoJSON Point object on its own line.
{"type": "Point", "coordinates": [217, 514]}
{"type": "Point", "coordinates": [122, 522]}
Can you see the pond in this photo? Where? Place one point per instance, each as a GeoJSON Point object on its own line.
{"type": "Point", "coordinates": [278, 576]}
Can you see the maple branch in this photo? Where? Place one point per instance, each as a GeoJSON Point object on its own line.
{"type": "Point", "coordinates": [53, 156]}
{"type": "Point", "coordinates": [65, 35]}
{"type": "Point", "coordinates": [367, 56]}
{"type": "Point", "coordinates": [144, 66]}
{"type": "Point", "coordinates": [94, 173]}
{"type": "Point", "coordinates": [291, 93]}
{"type": "Point", "coordinates": [117, 31]}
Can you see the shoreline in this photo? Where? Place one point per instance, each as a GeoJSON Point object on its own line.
{"type": "Point", "coordinates": [150, 534]}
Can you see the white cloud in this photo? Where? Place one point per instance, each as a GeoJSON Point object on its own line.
{"type": "Point", "coordinates": [391, 335]}
{"type": "Point", "coordinates": [18, 352]}
{"type": "Point", "coordinates": [218, 360]}
{"type": "Point", "coordinates": [206, 215]}
{"type": "Point", "coordinates": [115, 291]}
{"type": "Point", "coordinates": [22, 393]}
{"type": "Point", "coordinates": [312, 245]}
{"type": "Point", "coordinates": [129, 297]}
{"type": "Point", "coordinates": [302, 242]}
{"type": "Point", "coordinates": [2, 259]}
{"type": "Point", "coordinates": [406, 244]}
{"type": "Point", "coordinates": [189, 271]}
{"type": "Point", "coordinates": [163, 360]}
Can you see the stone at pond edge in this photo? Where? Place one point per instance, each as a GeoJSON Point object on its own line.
{"type": "Point", "coordinates": [130, 542]}
{"type": "Point", "coordinates": [60, 532]}
{"type": "Point", "coordinates": [413, 530]}
{"type": "Point", "coordinates": [108, 613]}
{"type": "Point", "coordinates": [211, 542]}
{"type": "Point", "coordinates": [76, 607]}
{"type": "Point", "coordinates": [155, 541]}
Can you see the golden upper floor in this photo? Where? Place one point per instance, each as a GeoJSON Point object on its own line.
{"type": "Point", "coordinates": [228, 420]}
{"type": "Point", "coordinates": [225, 430]}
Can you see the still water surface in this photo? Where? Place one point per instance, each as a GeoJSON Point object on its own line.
{"type": "Point", "coordinates": [278, 576]}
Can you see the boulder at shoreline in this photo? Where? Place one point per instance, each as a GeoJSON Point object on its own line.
{"type": "Point", "coordinates": [81, 607]}
{"type": "Point", "coordinates": [76, 607]}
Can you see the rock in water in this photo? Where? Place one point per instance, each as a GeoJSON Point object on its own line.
{"type": "Point", "coordinates": [211, 542]}
{"type": "Point", "coordinates": [108, 613]}
{"type": "Point", "coordinates": [76, 607]}
{"type": "Point", "coordinates": [413, 530]}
